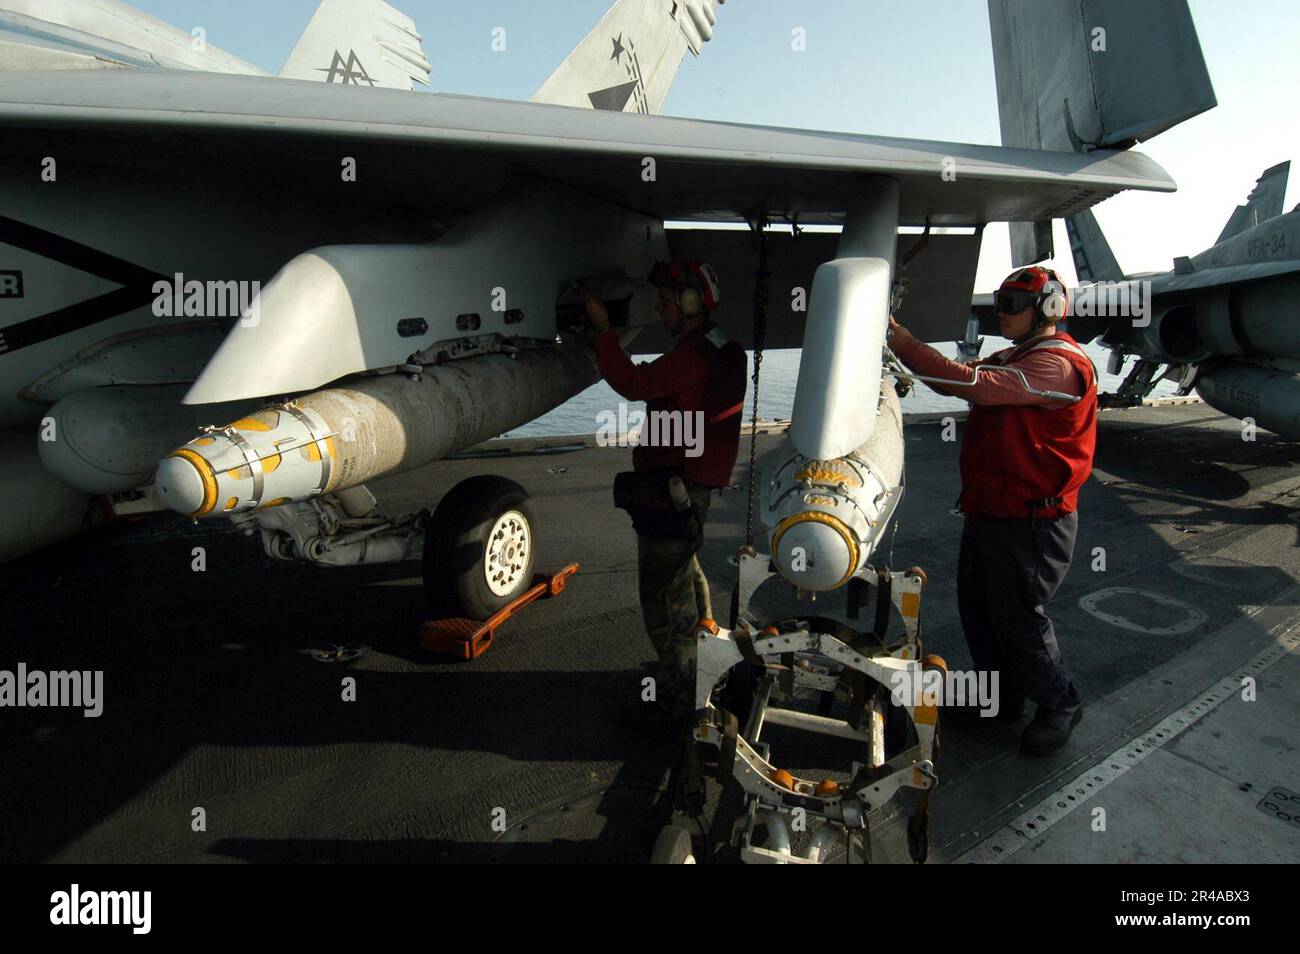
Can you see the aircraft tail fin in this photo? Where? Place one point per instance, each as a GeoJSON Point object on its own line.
{"type": "Point", "coordinates": [630, 58]}
{"type": "Point", "coordinates": [1093, 259]}
{"type": "Point", "coordinates": [1264, 202]}
{"type": "Point", "coordinates": [359, 43]}
{"type": "Point", "coordinates": [1092, 74]}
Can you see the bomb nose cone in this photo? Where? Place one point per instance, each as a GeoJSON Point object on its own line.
{"type": "Point", "coordinates": [181, 485]}
{"type": "Point", "coordinates": [820, 555]}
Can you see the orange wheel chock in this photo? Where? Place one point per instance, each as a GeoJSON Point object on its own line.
{"type": "Point", "coordinates": [469, 639]}
{"type": "Point", "coordinates": [555, 583]}
{"type": "Point", "coordinates": [784, 779]}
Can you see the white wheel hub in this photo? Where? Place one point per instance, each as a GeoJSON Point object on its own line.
{"type": "Point", "coordinates": [508, 545]}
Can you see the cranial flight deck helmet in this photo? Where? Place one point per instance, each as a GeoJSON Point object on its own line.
{"type": "Point", "coordinates": [695, 282]}
{"type": "Point", "coordinates": [1034, 287]}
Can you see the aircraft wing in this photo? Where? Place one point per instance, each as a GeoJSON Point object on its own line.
{"type": "Point", "coordinates": [453, 152]}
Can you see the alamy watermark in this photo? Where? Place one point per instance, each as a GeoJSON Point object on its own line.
{"type": "Point", "coordinates": [1126, 299]}
{"type": "Point", "coordinates": [77, 907]}
{"type": "Point", "coordinates": [636, 428]}
{"type": "Point", "coordinates": [211, 299]}
{"type": "Point", "coordinates": [938, 687]}
{"type": "Point", "coordinates": [35, 688]}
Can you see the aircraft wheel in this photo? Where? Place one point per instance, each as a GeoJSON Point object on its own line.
{"type": "Point", "coordinates": [479, 547]}
{"type": "Point", "coordinates": [673, 847]}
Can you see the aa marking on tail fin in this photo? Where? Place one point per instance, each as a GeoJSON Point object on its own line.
{"type": "Point", "coordinates": [383, 35]}
{"type": "Point", "coordinates": [352, 72]}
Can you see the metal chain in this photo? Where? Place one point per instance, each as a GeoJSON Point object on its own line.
{"type": "Point", "coordinates": [760, 334]}
{"type": "Point", "coordinates": [893, 535]}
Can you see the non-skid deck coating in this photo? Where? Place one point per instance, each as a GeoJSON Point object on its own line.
{"type": "Point", "coordinates": [212, 701]}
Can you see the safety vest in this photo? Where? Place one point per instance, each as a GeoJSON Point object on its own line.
{"type": "Point", "coordinates": [724, 405]}
{"type": "Point", "coordinates": [1022, 460]}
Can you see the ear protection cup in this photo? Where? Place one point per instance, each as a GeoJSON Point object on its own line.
{"type": "Point", "coordinates": [690, 302]}
{"type": "Point", "coordinates": [1052, 302]}
{"type": "Point", "coordinates": [1036, 287]}
{"type": "Point", "coordinates": [695, 282]}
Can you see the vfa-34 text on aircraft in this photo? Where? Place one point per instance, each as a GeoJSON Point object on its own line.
{"type": "Point", "coordinates": [415, 251]}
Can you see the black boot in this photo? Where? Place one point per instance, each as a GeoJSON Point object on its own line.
{"type": "Point", "coordinates": [1050, 729]}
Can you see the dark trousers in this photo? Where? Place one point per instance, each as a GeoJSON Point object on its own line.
{"type": "Point", "coordinates": [1007, 571]}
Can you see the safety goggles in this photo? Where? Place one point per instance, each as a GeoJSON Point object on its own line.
{"type": "Point", "coordinates": [1012, 301]}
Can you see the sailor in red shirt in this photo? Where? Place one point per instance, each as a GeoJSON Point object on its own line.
{"type": "Point", "coordinates": [702, 378]}
{"type": "Point", "coordinates": [1024, 457]}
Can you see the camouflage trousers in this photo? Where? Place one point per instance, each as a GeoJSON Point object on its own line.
{"type": "Point", "coordinates": [674, 597]}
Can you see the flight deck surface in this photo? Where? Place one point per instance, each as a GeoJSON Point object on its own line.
{"type": "Point", "coordinates": [212, 697]}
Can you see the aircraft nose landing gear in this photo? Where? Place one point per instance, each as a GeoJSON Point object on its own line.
{"type": "Point", "coordinates": [478, 547]}
{"type": "Point", "coordinates": [479, 553]}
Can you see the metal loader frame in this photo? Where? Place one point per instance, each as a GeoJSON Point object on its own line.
{"type": "Point", "coordinates": [824, 655]}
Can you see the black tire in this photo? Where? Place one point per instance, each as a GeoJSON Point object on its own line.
{"type": "Point", "coordinates": [673, 847]}
{"type": "Point", "coordinates": [456, 546]}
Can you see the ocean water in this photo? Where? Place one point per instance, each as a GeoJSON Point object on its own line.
{"type": "Point", "coordinates": [582, 414]}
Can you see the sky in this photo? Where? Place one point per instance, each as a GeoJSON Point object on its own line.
{"type": "Point", "coordinates": [922, 69]}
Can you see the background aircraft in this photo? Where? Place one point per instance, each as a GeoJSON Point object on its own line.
{"type": "Point", "coordinates": [1221, 321]}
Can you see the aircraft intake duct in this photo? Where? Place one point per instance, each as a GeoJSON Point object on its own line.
{"type": "Point", "coordinates": [825, 517]}
{"type": "Point", "coordinates": [1270, 397]}
{"type": "Point", "coordinates": [343, 436]}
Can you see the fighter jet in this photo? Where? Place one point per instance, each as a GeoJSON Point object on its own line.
{"type": "Point", "coordinates": [338, 281]}
{"type": "Point", "coordinates": [104, 202]}
{"type": "Point", "coordinates": [1219, 321]}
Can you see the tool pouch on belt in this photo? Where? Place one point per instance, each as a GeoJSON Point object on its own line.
{"type": "Point", "coordinates": [644, 495]}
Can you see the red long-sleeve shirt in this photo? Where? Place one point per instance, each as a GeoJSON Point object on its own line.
{"type": "Point", "coordinates": [676, 381]}
{"type": "Point", "coordinates": [1044, 369]}
{"type": "Point", "coordinates": [679, 375]}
